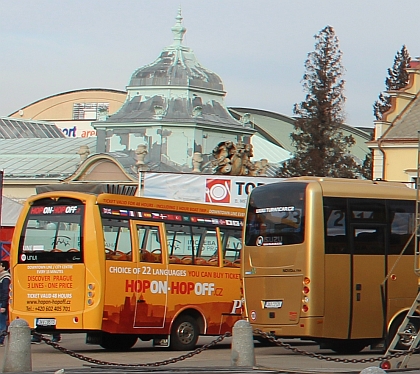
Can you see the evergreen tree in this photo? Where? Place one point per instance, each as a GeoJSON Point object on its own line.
{"type": "Point", "coordinates": [321, 149]}
{"type": "Point", "coordinates": [367, 166]}
{"type": "Point", "coordinates": [397, 79]}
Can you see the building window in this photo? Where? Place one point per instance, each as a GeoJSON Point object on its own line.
{"type": "Point", "coordinates": [89, 110]}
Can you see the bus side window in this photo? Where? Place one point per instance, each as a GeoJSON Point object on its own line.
{"type": "Point", "coordinates": [402, 215]}
{"type": "Point", "coordinates": [231, 247]}
{"type": "Point", "coordinates": [192, 245]}
{"type": "Point", "coordinates": [207, 249]}
{"type": "Point", "coordinates": [369, 241]}
{"type": "Point", "coordinates": [180, 239]}
{"type": "Point", "coordinates": [149, 244]}
{"type": "Point", "coordinates": [335, 221]}
{"type": "Point", "coordinates": [117, 240]}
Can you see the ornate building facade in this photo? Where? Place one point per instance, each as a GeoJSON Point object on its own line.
{"type": "Point", "coordinates": [174, 114]}
{"type": "Point", "coordinates": [396, 140]}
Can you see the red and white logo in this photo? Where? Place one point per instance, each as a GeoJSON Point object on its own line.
{"type": "Point", "coordinates": [217, 191]}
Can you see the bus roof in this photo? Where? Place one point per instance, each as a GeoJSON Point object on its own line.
{"type": "Point", "coordinates": [344, 187]}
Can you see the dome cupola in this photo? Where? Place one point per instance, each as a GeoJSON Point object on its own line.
{"type": "Point", "coordinates": [176, 66]}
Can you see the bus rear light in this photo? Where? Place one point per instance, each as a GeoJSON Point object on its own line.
{"type": "Point", "coordinates": [305, 290]}
{"type": "Point", "coordinates": [89, 302]}
{"type": "Point", "coordinates": [91, 286]}
{"type": "Point", "coordinates": [386, 365]}
{"type": "Point", "coordinates": [306, 299]}
{"type": "Point", "coordinates": [90, 294]}
{"type": "Point", "coordinates": [306, 281]}
{"type": "Point", "coordinates": [305, 308]}
{"type": "Point", "coordinates": [76, 319]}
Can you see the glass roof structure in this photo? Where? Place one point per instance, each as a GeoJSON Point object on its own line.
{"type": "Point", "coordinates": [41, 158]}
{"type": "Point", "coordinates": [13, 128]}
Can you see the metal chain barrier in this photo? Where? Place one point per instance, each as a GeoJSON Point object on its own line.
{"type": "Point", "coordinates": [204, 347]}
{"type": "Point", "coordinates": [279, 343]}
{"type": "Point", "coordinates": [154, 364]}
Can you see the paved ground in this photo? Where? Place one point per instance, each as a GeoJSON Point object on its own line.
{"type": "Point", "coordinates": [303, 358]}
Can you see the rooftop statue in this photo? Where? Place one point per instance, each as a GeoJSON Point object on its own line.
{"type": "Point", "coordinates": [232, 159]}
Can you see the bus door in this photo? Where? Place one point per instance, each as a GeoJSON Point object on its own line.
{"type": "Point", "coordinates": [368, 249]}
{"type": "Point", "coordinates": [118, 311]}
{"type": "Point", "coordinates": [151, 291]}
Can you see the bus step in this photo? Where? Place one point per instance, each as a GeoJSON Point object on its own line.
{"type": "Point", "coordinates": [396, 351]}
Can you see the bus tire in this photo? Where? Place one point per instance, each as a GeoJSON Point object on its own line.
{"type": "Point", "coordinates": [145, 338]}
{"type": "Point", "coordinates": [412, 328]}
{"type": "Point", "coordinates": [184, 333]}
{"type": "Point", "coordinates": [347, 346]}
{"type": "Point", "coordinates": [264, 341]}
{"type": "Point", "coordinates": [118, 342]}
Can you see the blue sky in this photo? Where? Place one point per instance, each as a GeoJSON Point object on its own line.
{"type": "Point", "coordinates": [258, 48]}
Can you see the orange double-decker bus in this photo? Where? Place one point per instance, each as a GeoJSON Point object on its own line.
{"type": "Point", "coordinates": [121, 268]}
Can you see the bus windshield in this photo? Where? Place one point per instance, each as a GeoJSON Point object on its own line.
{"type": "Point", "coordinates": [52, 233]}
{"type": "Point", "coordinates": [276, 215]}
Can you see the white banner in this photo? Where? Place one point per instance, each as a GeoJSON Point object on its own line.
{"type": "Point", "coordinates": [213, 189]}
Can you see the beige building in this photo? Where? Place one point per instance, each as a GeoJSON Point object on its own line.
{"type": "Point", "coordinates": [396, 140]}
{"type": "Point", "coordinates": [74, 111]}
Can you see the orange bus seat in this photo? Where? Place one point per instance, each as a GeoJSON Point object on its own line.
{"type": "Point", "coordinates": [200, 261]}
{"type": "Point", "coordinates": [156, 255]}
{"type": "Point", "coordinates": [174, 260]}
{"type": "Point", "coordinates": [145, 255]}
{"type": "Point", "coordinates": [214, 261]}
{"type": "Point", "coordinates": [228, 263]}
{"type": "Point", "coordinates": [119, 256]}
{"type": "Point", "coordinates": [187, 260]}
{"type": "Point", "coordinates": [237, 263]}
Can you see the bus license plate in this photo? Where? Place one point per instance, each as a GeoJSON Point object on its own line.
{"type": "Point", "coordinates": [46, 322]}
{"type": "Point", "coordinates": [272, 304]}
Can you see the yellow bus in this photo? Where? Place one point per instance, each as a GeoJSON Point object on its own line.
{"type": "Point", "coordinates": [330, 260]}
{"type": "Point", "coordinates": [122, 267]}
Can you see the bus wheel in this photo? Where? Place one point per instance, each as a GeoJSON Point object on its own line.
{"type": "Point", "coordinates": [184, 334]}
{"type": "Point", "coordinates": [411, 330]}
{"type": "Point", "coordinates": [264, 342]}
{"type": "Point", "coordinates": [347, 346]}
{"type": "Point", "coordinates": [145, 338]}
{"type": "Point", "coordinates": [118, 342]}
